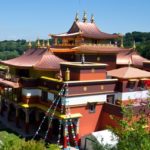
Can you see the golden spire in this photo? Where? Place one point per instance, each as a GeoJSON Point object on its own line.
{"type": "Point", "coordinates": [43, 44]}
{"type": "Point", "coordinates": [30, 44]}
{"type": "Point", "coordinates": [76, 17]}
{"type": "Point", "coordinates": [48, 44]}
{"type": "Point", "coordinates": [38, 44]}
{"type": "Point", "coordinates": [92, 18]}
{"type": "Point", "coordinates": [134, 45]}
{"type": "Point", "coordinates": [84, 17]}
{"type": "Point", "coordinates": [122, 45]}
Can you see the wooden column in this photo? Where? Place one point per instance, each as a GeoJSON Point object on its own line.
{"type": "Point", "coordinates": [77, 132]}
{"type": "Point", "coordinates": [8, 112]}
{"type": "Point", "coordinates": [26, 120]}
{"type": "Point", "coordinates": [65, 135]}
{"type": "Point", "coordinates": [50, 128]}
{"type": "Point", "coordinates": [1, 106]}
{"type": "Point", "coordinates": [37, 118]}
{"type": "Point", "coordinates": [17, 117]}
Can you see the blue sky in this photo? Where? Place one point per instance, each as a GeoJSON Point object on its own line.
{"type": "Point", "coordinates": [30, 19]}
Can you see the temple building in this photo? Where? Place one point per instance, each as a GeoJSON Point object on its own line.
{"type": "Point", "coordinates": [69, 89]}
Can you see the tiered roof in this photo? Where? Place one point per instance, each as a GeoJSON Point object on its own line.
{"type": "Point", "coordinates": [130, 56]}
{"type": "Point", "coordinates": [98, 48]}
{"type": "Point", "coordinates": [88, 30]}
{"type": "Point", "coordinates": [41, 59]}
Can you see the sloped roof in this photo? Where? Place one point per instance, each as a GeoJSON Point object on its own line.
{"type": "Point", "coordinates": [28, 59]}
{"type": "Point", "coordinates": [48, 62]}
{"type": "Point", "coordinates": [86, 29]}
{"type": "Point", "coordinates": [128, 72]}
{"type": "Point", "coordinates": [9, 83]}
{"type": "Point", "coordinates": [130, 56]}
{"type": "Point", "coordinates": [40, 59]}
{"type": "Point", "coordinates": [97, 48]}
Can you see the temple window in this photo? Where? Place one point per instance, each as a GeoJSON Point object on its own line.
{"type": "Point", "coordinates": [59, 41]}
{"type": "Point", "coordinates": [71, 42]}
{"type": "Point", "coordinates": [91, 107]}
{"type": "Point", "coordinates": [131, 84]}
{"type": "Point", "coordinates": [44, 96]}
{"type": "Point", "coordinates": [141, 85]}
{"type": "Point", "coordinates": [22, 72]}
{"type": "Point", "coordinates": [111, 99]}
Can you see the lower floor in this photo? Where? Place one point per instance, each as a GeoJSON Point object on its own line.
{"type": "Point", "coordinates": [36, 123]}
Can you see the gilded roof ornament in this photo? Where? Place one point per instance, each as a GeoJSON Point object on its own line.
{"type": "Point", "coordinates": [30, 44]}
{"type": "Point", "coordinates": [84, 17]}
{"type": "Point", "coordinates": [134, 45]}
{"type": "Point", "coordinates": [92, 18]}
{"type": "Point", "coordinates": [38, 43]}
{"type": "Point", "coordinates": [76, 17]}
{"type": "Point", "coordinates": [48, 44]}
{"type": "Point", "coordinates": [43, 44]}
{"type": "Point", "coordinates": [122, 44]}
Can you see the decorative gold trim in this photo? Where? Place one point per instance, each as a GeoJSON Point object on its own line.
{"type": "Point", "coordinates": [102, 87]}
{"type": "Point", "coordinates": [84, 88]}
{"type": "Point", "coordinates": [92, 70]}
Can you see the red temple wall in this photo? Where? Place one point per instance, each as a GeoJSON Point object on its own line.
{"type": "Point", "coordinates": [89, 122]}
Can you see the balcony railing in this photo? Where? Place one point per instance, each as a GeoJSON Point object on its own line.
{"type": "Point", "coordinates": [28, 82]}
{"type": "Point", "coordinates": [117, 110]}
{"type": "Point", "coordinates": [9, 77]}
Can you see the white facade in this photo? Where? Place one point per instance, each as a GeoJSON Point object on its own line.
{"type": "Point", "coordinates": [31, 92]}
{"type": "Point", "coordinates": [132, 95]}
{"type": "Point", "coordinates": [80, 100]}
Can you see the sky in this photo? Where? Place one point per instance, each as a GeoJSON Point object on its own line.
{"type": "Point", "coordinates": [32, 19]}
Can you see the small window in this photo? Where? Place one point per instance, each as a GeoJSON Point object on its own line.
{"type": "Point", "coordinates": [91, 107]}
{"type": "Point", "coordinates": [142, 85]}
{"type": "Point", "coordinates": [44, 96]}
{"type": "Point", "coordinates": [110, 99]}
{"type": "Point", "coordinates": [131, 85]}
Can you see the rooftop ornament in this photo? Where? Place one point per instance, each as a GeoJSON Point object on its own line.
{"type": "Point", "coordinates": [92, 18]}
{"type": "Point", "coordinates": [76, 17]}
{"type": "Point", "coordinates": [83, 59]}
{"type": "Point", "coordinates": [43, 44]}
{"type": "Point", "coordinates": [48, 44]}
{"type": "Point", "coordinates": [134, 45]}
{"type": "Point", "coordinates": [122, 44]}
{"type": "Point", "coordinates": [38, 44]}
{"type": "Point", "coordinates": [30, 44]}
{"type": "Point", "coordinates": [84, 17]}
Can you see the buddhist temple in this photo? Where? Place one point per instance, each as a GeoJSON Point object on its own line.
{"type": "Point", "coordinates": [53, 90]}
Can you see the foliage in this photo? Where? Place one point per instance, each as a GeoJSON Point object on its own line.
{"type": "Point", "coordinates": [132, 134]}
{"type": "Point", "coordinates": [142, 40]}
{"type": "Point", "coordinates": [11, 49]}
{"type": "Point", "coordinates": [12, 142]}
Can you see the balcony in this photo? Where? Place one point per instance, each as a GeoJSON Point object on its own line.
{"type": "Point", "coordinates": [117, 110]}
{"type": "Point", "coordinates": [28, 82]}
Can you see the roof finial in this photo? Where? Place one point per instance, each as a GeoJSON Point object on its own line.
{"type": "Point", "coordinates": [82, 59]}
{"type": "Point", "coordinates": [43, 44]}
{"type": "Point", "coordinates": [134, 45]}
{"type": "Point", "coordinates": [48, 44]}
{"type": "Point", "coordinates": [76, 17]}
{"type": "Point", "coordinates": [84, 17]}
{"type": "Point", "coordinates": [38, 43]}
{"type": "Point", "coordinates": [92, 18]}
{"type": "Point", "coordinates": [30, 44]}
{"type": "Point", "coordinates": [129, 63]}
{"type": "Point", "coordinates": [122, 45]}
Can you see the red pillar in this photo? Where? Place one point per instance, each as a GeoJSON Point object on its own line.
{"type": "Point", "coordinates": [65, 135]}
{"type": "Point", "coordinates": [17, 117]}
